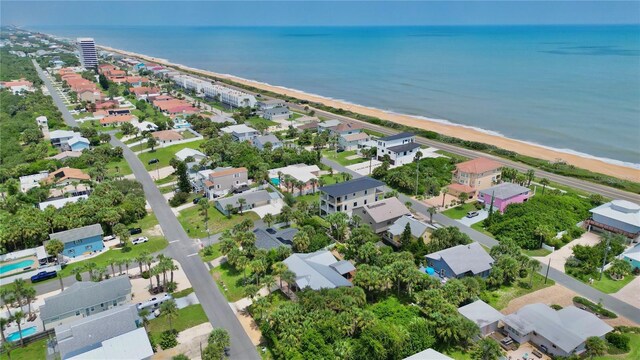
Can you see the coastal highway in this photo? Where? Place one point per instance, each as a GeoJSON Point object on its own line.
{"type": "Point", "coordinates": [181, 247]}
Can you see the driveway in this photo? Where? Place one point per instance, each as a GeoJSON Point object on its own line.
{"type": "Point", "coordinates": [559, 257]}
{"type": "Point", "coordinates": [273, 209]}
{"type": "Point", "coordinates": [363, 167]}
{"type": "Point", "coordinates": [482, 214]}
{"type": "Point", "coordinates": [630, 293]}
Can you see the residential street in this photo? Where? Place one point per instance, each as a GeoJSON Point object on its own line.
{"type": "Point", "coordinates": [181, 248]}
{"type": "Point", "coordinates": [619, 307]}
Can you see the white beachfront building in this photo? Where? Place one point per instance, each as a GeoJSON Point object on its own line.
{"type": "Point", "coordinates": [401, 148]}
{"type": "Point", "coordinates": [231, 97]}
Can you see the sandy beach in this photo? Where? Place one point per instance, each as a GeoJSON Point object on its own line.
{"type": "Point", "coordinates": [466, 133]}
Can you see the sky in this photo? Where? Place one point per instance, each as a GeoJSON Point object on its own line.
{"type": "Point", "coordinates": [315, 13]}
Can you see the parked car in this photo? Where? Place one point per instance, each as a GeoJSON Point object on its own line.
{"type": "Point", "coordinates": [109, 237]}
{"type": "Point", "coordinates": [472, 214]}
{"type": "Point", "coordinates": [140, 240]}
{"type": "Point", "coordinates": [135, 231]}
{"type": "Point", "coordinates": [43, 275]}
{"type": "Point", "coordinates": [153, 161]}
{"type": "Point", "coordinates": [196, 200]}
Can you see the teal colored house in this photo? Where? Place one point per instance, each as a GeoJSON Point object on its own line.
{"type": "Point", "coordinates": [87, 239]}
{"type": "Point", "coordinates": [633, 256]}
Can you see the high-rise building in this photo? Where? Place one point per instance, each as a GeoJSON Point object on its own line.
{"type": "Point", "coordinates": [88, 54]}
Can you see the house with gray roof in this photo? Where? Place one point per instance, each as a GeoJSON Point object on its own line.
{"type": "Point", "coordinates": [132, 345]}
{"type": "Point", "coordinates": [268, 239]}
{"type": "Point", "coordinates": [460, 261]}
{"type": "Point", "coordinates": [277, 113]}
{"type": "Point", "coordinates": [85, 298]}
{"type": "Point", "coordinates": [559, 333]}
{"type": "Point", "coordinates": [503, 195]}
{"type": "Point", "coordinates": [483, 315]}
{"type": "Point", "coordinates": [428, 354]}
{"type": "Point", "coordinates": [381, 214]}
{"type": "Point", "coordinates": [241, 132]}
{"type": "Point", "coordinates": [419, 229]}
{"type": "Point", "coordinates": [264, 105]}
{"type": "Point", "coordinates": [400, 148]}
{"type": "Point", "coordinates": [252, 199]}
{"type": "Point", "coordinates": [617, 216]}
{"type": "Point", "coordinates": [319, 270]}
{"type": "Point", "coordinates": [80, 241]}
{"type": "Point", "coordinates": [261, 141]}
{"type": "Point", "coordinates": [82, 335]}
{"type": "Point", "coordinates": [348, 195]}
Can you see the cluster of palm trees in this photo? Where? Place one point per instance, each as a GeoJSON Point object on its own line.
{"type": "Point", "coordinates": [19, 292]}
{"type": "Point", "coordinates": [290, 183]}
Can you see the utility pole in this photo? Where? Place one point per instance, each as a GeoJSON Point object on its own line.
{"type": "Point", "coordinates": [546, 276]}
{"type": "Point", "coordinates": [604, 260]}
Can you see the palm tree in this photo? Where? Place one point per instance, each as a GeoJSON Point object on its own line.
{"type": "Point", "coordinates": [289, 277]}
{"type": "Point", "coordinates": [170, 311]}
{"type": "Point", "coordinates": [314, 183]}
{"type": "Point", "coordinates": [486, 349]}
{"type": "Point", "coordinates": [7, 296]}
{"type": "Point", "coordinates": [3, 323]}
{"type": "Point", "coordinates": [268, 219]}
{"type": "Point", "coordinates": [595, 346]}
{"type": "Point", "coordinates": [18, 316]}
{"type": "Point", "coordinates": [544, 182]}
{"type": "Point", "coordinates": [61, 283]}
{"type": "Point", "coordinates": [77, 271]}
{"type": "Point", "coordinates": [278, 269]}
{"type": "Point", "coordinates": [416, 159]}
{"type": "Point", "coordinates": [19, 289]}
{"type": "Point", "coordinates": [445, 191]}
{"type": "Point", "coordinates": [112, 262]}
{"type": "Point", "coordinates": [531, 174]}
{"type": "Point", "coordinates": [141, 259]}
{"type": "Point", "coordinates": [90, 267]}
{"type": "Point", "coordinates": [119, 262]}
{"type": "Point", "coordinates": [29, 295]}
{"type": "Point", "coordinates": [7, 347]}
{"type": "Point", "coordinates": [144, 315]}
{"type": "Point", "coordinates": [431, 210]}
{"type": "Point", "coordinates": [229, 209]}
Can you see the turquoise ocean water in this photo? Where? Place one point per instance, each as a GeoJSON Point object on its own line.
{"type": "Point", "coordinates": [575, 88]}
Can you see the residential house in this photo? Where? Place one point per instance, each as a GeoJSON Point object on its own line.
{"type": "Point", "coordinates": [185, 153]}
{"type": "Point", "coordinates": [66, 155]}
{"type": "Point", "coordinates": [221, 181]}
{"type": "Point", "coordinates": [222, 119]}
{"type": "Point", "coordinates": [460, 261]}
{"type": "Point", "coordinates": [268, 239]}
{"type": "Point", "coordinates": [261, 141]}
{"type": "Point", "coordinates": [79, 241]}
{"type": "Point", "coordinates": [78, 143]}
{"type": "Point", "coordinates": [617, 216]}
{"type": "Point", "coordinates": [66, 176]}
{"type": "Point", "coordinates": [180, 122]}
{"type": "Point", "coordinates": [241, 132]}
{"type": "Point", "coordinates": [264, 105]}
{"type": "Point", "coordinates": [58, 203]}
{"type": "Point", "coordinates": [353, 141]}
{"type": "Point", "coordinates": [277, 113]}
{"type": "Point", "coordinates": [144, 92]}
{"type": "Point", "coordinates": [483, 315]}
{"type": "Point", "coordinates": [167, 136]}
{"type": "Point", "coordinates": [401, 148]}
{"type": "Point", "coordinates": [29, 182]}
{"type": "Point", "coordinates": [348, 195]}
{"type": "Point", "coordinates": [82, 337]}
{"type": "Point", "coordinates": [319, 270]}
{"type": "Point", "coordinates": [381, 214]}
{"type": "Point", "coordinates": [311, 126]}
{"type": "Point", "coordinates": [350, 134]}
{"type": "Point", "coordinates": [502, 195]}
{"type": "Point", "coordinates": [428, 354]}
{"type": "Point", "coordinates": [557, 332]}
{"type": "Point", "coordinates": [328, 124]}
{"type": "Point", "coordinates": [306, 174]}
{"type": "Point", "coordinates": [117, 120]}
{"type": "Point", "coordinates": [252, 199]}
{"type": "Point", "coordinates": [144, 126]}
{"type": "Point", "coordinates": [89, 95]}
{"type": "Point", "coordinates": [474, 175]}
{"type": "Point", "coordinates": [632, 255]}
{"type": "Point", "coordinates": [60, 138]}
{"type": "Point", "coordinates": [419, 230]}
{"type": "Point", "coordinates": [17, 86]}
{"type": "Point", "coordinates": [83, 299]}
{"type": "Point", "coordinates": [132, 345]}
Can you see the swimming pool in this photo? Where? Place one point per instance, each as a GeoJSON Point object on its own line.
{"type": "Point", "coordinates": [25, 332]}
{"type": "Point", "coordinates": [275, 181]}
{"type": "Point", "coordinates": [18, 265]}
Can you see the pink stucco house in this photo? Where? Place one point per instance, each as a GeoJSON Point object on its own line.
{"type": "Point", "coordinates": [504, 194]}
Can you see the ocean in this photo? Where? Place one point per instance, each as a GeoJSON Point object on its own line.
{"type": "Point", "coordinates": [575, 88]}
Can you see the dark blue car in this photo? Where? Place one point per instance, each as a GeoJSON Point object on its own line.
{"type": "Point", "coordinates": [43, 275]}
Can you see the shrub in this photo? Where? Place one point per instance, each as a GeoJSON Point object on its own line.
{"type": "Point", "coordinates": [208, 250]}
{"type": "Point", "coordinates": [597, 308]}
{"type": "Point", "coordinates": [178, 199]}
{"type": "Point", "coordinates": [168, 339]}
{"type": "Point", "coordinates": [628, 329]}
{"type": "Point", "coordinates": [618, 340]}
{"type": "Point", "coordinates": [556, 307]}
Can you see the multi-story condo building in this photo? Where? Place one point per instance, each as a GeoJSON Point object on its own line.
{"type": "Point", "coordinates": [401, 148]}
{"type": "Point", "coordinates": [474, 175]}
{"type": "Point", "coordinates": [88, 54]}
{"type": "Point", "coordinates": [345, 196]}
{"type": "Point", "coordinates": [225, 95]}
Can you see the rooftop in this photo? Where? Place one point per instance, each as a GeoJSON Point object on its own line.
{"type": "Point", "coordinates": [417, 227]}
{"type": "Point", "coordinates": [428, 354]}
{"type": "Point", "coordinates": [267, 138]}
{"type": "Point", "coordinates": [621, 210]}
{"type": "Point", "coordinates": [167, 135]}
{"type": "Point", "coordinates": [478, 166]}
{"type": "Point", "coordinates": [480, 313]}
{"type": "Point", "coordinates": [250, 197]}
{"type": "Point", "coordinates": [402, 135]}
{"type": "Point", "coordinates": [464, 258]}
{"type": "Point", "coordinates": [271, 239]}
{"type": "Point", "coordinates": [300, 172]}
{"type": "Point", "coordinates": [505, 190]}
{"type": "Point", "coordinates": [404, 147]}
{"type": "Point", "coordinates": [132, 345]}
{"type": "Point", "coordinates": [386, 209]}
{"type": "Point", "coordinates": [77, 233]}
{"type": "Point", "coordinates": [238, 129]}
{"type": "Point", "coordinates": [356, 137]}
{"type": "Point", "coordinates": [226, 171]}
{"type": "Point", "coordinates": [351, 186]}
{"type": "Point", "coordinates": [186, 152]}
{"type": "Point", "coordinates": [314, 270]}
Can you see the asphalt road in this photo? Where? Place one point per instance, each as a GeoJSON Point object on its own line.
{"type": "Point", "coordinates": [181, 248]}
{"type": "Point", "coordinates": [619, 307]}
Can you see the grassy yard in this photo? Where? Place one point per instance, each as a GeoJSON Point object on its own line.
{"type": "Point", "coordinates": [36, 350]}
{"type": "Point", "coordinates": [341, 157]}
{"type": "Point", "coordinates": [165, 154]}
{"type": "Point", "coordinates": [215, 253]}
{"type": "Point", "coordinates": [330, 179]}
{"type": "Point", "coordinates": [536, 252]}
{"type": "Point", "coordinates": [478, 227]}
{"type": "Point", "coordinates": [166, 180]}
{"type": "Point", "coordinates": [182, 293]}
{"type": "Point", "coordinates": [459, 158]}
{"type": "Point", "coordinates": [609, 286]}
{"type": "Point", "coordinates": [310, 198]}
{"type": "Point", "coordinates": [500, 298]}
{"type": "Point", "coordinates": [459, 211]}
{"type": "Point", "coordinates": [227, 275]}
{"type": "Point", "coordinates": [193, 223]}
{"type": "Point", "coordinates": [633, 354]}
{"type": "Point", "coordinates": [253, 121]}
{"type": "Point", "coordinates": [458, 354]}
{"type": "Point", "coordinates": [120, 167]}
{"type": "Point", "coordinates": [374, 133]}
{"type": "Point", "coordinates": [187, 135]}
{"type": "Point", "coordinates": [188, 317]}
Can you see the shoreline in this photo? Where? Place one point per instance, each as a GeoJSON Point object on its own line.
{"type": "Point", "coordinates": [610, 167]}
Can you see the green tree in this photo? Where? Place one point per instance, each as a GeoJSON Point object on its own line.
{"type": "Point", "coordinates": [431, 210]}
{"type": "Point", "coordinates": [241, 203]}
{"type": "Point", "coordinates": [229, 208]}
{"type": "Point", "coordinates": [54, 247]}
{"type": "Point", "coordinates": [619, 269]}
{"type": "Point", "coordinates": [486, 349]}
{"type": "Point", "coordinates": [217, 342]}
{"type": "Point", "coordinates": [103, 82]}
{"type": "Point", "coordinates": [405, 237]}
{"type": "Point", "coordinates": [268, 219]}
{"type": "Point", "coordinates": [301, 242]}
{"type": "Point", "coordinates": [123, 234]}
{"type": "Point", "coordinates": [595, 346]}
{"type": "Point", "coordinates": [184, 185]}
{"type": "Point", "coordinates": [18, 316]}
{"type": "Point", "coordinates": [204, 211]}
{"type": "Point", "coordinates": [152, 143]}
{"type": "Point", "coordinates": [544, 182]}
{"type": "Point", "coordinates": [169, 310]}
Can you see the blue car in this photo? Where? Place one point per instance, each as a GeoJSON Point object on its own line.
{"type": "Point", "coordinates": [43, 275]}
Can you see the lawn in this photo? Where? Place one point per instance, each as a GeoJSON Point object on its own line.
{"type": "Point", "coordinates": [309, 199]}
{"type": "Point", "coordinates": [500, 298]}
{"type": "Point", "coordinates": [609, 286]}
{"type": "Point", "coordinates": [458, 354]}
{"type": "Point", "coordinates": [166, 180]}
{"type": "Point", "coordinates": [225, 274]}
{"type": "Point", "coordinates": [187, 134]}
{"type": "Point", "coordinates": [330, 179]}
{"type": "Point", "coordinates": [188, 317]}
{"type": "Point", "coordinates": [165, 154]}
{"type": "Point", "coordinates": [536, 252]}
{"type": "Point", "coordinates": [193, 223]}
{"type": "Point", "coordinates": [459, 211]}
{"type": "Point", "coordinates": [119, 167]}
{"type": "Point", "coordinates": [36, 350]}
{"type": "Point", "coordinates": [182, 293]}
{"type": "Point", "coordinates": [633, 354]}
{"type": "Point", "coordinates": [214, 253]}
{"type": "Point", "coordinates": [374, 133]}
{"type": "Point", "coordinates": [478, 227]}
{"type": "Point", "coordinates": [341, 157]}
{"type": "Point", "coordinates": [253, 121]}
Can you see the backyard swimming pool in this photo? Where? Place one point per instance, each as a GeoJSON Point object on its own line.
{"type": "Point", "coordinates": [18, 265]}
{"type": "Point", "coordinates": [25, 332]}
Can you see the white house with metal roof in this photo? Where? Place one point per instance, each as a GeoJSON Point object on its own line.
{"type": "Point", "coordinates": [241, 132]}
{"type": "Point", "coordinates": [483, 315]}
{"type": "Point", "coordinates": [428, 354]}
{"type": "Point", "coordinates": [183, 154]}
{"type": "Point", "coordinates": [319, 270]}
{"type": "Point", "coordinates": [261, 141]}
{"type": "Point", "coordinates": [401, 148]}
{"type": "Point", "coordinates": [618, 216]}
{"type": "Point", "coordinates": [559, 333]}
